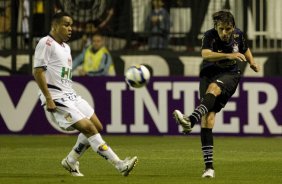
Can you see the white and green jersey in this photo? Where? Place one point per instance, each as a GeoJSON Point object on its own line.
{"type": "Point", "coordinates": [56, 59]}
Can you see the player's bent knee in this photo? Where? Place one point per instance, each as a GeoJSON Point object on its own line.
{"type": "Point", "coordinates": [89, 131]}
{"type": "Point", "coordinates": [99, 128]}
{"type": "Point", "coordinates": [214, 89]}
{"type": "Point", "coordinates": [98, 125]}
{"type": "Point", "coordinates": [86, 127]}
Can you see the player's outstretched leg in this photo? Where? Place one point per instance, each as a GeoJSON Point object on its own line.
{"type": "Point", "coordinates": [72, 168]}
{"type": "Point", "coordinates": [182, 120]}
{"type": "Point", "coordinates": [126, 166]}
{"type": "Point", "coordinates": [100, 146]}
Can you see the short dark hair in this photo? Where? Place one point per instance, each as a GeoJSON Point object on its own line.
{"type": "Point", "coordinates": [58, 16]}
{"type": "Point", "coordinates": [223, 16]}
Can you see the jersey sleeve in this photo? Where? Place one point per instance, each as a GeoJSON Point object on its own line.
{"type": "Point", "coordinates": [207, 41]}
{"type": "Point", "coordinates": [42, 53]}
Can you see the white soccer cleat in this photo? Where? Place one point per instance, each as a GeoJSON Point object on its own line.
{"type": "Point", "coordinates": [182, 120]}
{"type": "Point", "coordinates": [126, 166]}
{"type": "Point", "coordinates": [208, 173]}
{"type": "Point", "coordinates": [72, 168]}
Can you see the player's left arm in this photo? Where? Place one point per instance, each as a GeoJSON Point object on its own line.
{"type": "Point", "coordinates": [249, 56]}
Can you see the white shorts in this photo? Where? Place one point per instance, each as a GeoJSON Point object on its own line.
{"type": "Point", "coordinates": [70, 111]}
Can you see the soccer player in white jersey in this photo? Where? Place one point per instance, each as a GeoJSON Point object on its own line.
{"type": "Point", "coordinates": [53, 72]}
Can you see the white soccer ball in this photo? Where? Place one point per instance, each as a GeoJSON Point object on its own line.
{"type": "Point", "coordinates": [137, 76]}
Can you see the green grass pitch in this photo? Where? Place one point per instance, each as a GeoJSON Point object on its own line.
{"type": "Point", "coordinates": [162, 160]}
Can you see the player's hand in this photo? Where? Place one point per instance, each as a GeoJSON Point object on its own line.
{"type": "Point", "coordinates": [50, 105]}
{"type": "Point", "coordinates": [237, 56]}
{"type": "Point", "coordinates": [255, 67]}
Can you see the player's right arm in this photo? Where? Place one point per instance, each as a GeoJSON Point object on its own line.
{"type": "Point", "coordinates": [39, 76]}
{"type": "Point", "coordinates": [211, 56]}
{"type": "Point", "coordinates": [42, 54]}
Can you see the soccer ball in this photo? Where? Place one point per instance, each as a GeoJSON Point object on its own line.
{"type": "Point", "coordinates": [137, 76]}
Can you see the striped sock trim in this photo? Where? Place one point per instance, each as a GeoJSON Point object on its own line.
{"type": "Point", "coordinates": [207, 154]}
{"type": "Point", "coordinates": [200, 111]}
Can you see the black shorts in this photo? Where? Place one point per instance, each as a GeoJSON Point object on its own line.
{"type": "Point", "coordinates": [227, 81]}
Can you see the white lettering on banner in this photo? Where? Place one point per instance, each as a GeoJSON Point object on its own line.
{"type": "Point", "coordinates": [255, 108]}
{"type": "Point", "coordinates": [228, 127]}
{"type": "Point", "coordinates": [156, 104]}
{"type": "Point", "coordinates": [158, 114]}
{"type": "Point", "coordinates": [157, 63]}
{"type": "Point", "coordinates": [116, 89]}
{"type": "Point", "coordinates": [15, 116]}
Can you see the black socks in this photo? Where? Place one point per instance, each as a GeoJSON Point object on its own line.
{"type": "Point", "coordinates": [205, 106]}
{"type": "Point", "coordinates": [207, 146]}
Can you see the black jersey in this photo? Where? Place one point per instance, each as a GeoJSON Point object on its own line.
{"type": "Point", "coordinates": [237, 43]}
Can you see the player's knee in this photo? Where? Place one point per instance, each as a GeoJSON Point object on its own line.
{"type": "Point", "coordinates": [89, 130]}
{"type": "Point", "coordinates": [208, 121]}
{"type": "Point", "coordinates": [214, 89]}
{"type": "Point", "coordinates": [204, 122]}
{"type": "Point", "coordinates": [100, 128]}
{"type": "Point", "coordinates": [98, 125]}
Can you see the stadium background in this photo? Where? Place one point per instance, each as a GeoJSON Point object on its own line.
{"type": "Point", "coordinates": [174, 70]}
{"type": "Point", "coordinates": [247, 134]}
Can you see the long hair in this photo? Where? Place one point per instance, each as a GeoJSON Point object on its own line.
{"type": "Point", "coordinates": [224, 16]}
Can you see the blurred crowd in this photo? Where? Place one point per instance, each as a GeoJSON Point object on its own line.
{"type": "Point", "coordinates": [144, 24]}
{"type": "Point", "coordinates": [140, 24]}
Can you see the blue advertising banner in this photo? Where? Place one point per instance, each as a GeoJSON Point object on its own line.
{"type": "Point", "coordinates": [254, 110]}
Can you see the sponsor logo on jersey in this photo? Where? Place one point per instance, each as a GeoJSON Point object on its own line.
{"type": "Point", "coordinates": [66, 73]}
{"type": "Point", "coordinates": [235, 48]}
{"type": "Point", "coordinates": [236, 35]}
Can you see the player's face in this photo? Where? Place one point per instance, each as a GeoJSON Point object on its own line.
{"type": "Point", "coordinates": [97, 42]}
{"type": "Point", "coordinates": [157, 3]}
{"type": "Point", "coordinates": [63, 28]}
{"type": "Point", "coordinates": [224, 31]}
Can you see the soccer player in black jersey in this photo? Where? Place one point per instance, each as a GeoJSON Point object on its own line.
{"type": "Point", "coordinates": [222, 48]}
